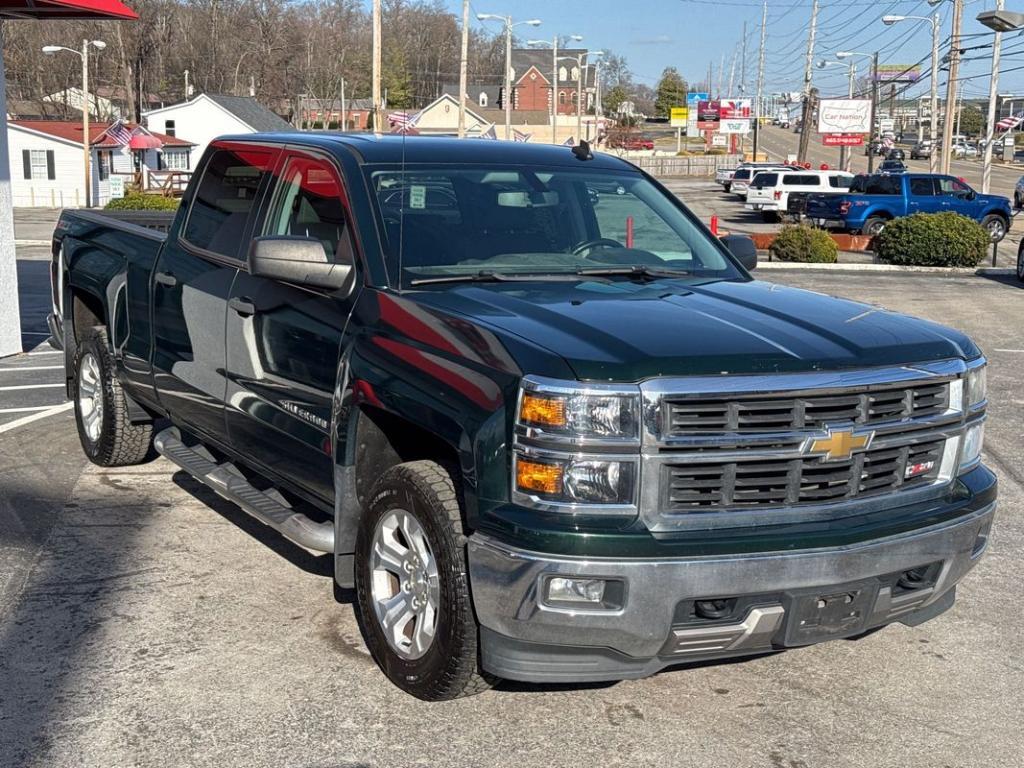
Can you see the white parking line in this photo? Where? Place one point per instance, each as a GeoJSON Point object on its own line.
{"type": "Point", "coordinates": [33, 368]}
{"type": "Point", "coordinates": [30, 386]}
{"type": "Point", "coordinates": [1009, 350]}
{"type": "Point", "coordinates": [41, 414]}
{"type": "Point", "coordinates": [29, 408]}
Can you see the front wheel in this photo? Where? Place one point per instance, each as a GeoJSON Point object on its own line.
{"type": "Point", "coordinates": [412, 585]}
{"type": "Point", "coordinates": [1020, 262]}
{"type": "Point", "coordinates": [1017, 204]}
{"type": "Point", "coordinates": [996, 227]}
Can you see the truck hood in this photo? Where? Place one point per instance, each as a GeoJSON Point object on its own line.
{"type": "Point", "coordinates": [626, 331]}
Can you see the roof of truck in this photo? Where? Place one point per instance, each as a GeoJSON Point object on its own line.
{"type": "Point", "coordinates": [395, 148]}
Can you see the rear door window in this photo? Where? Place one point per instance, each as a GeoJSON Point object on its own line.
{"type": "Point", "coordinates": [225, 197]}
{"type": "Point", "coordinates": [840, 182]}
{"type": "Point", "coordinates": [922, 186]}
{"type": "Point", "coordinates": [800, 180]}
{"type": "Point", "coordinates": [882, 185]}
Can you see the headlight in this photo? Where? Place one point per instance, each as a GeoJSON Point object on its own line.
{"type": "Point", "coordinates": [583, 415]}
{"type": "Point", "coordinates": [977, 386]}
{"type": "Point", "coordinates": [973, 439]}
{"type": "Point", "coordinates": [576, 480]}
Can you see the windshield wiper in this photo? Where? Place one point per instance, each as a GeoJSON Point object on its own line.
{"type": "Point", "coordinates": [636, 270]}
{"type": "Point", "coordinates": [488, 276]}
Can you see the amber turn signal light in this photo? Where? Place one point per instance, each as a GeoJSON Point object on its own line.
{"type": "Point", "coordinates": [547, 411]}
{"type": "Point", "coordinates": [537, 477]}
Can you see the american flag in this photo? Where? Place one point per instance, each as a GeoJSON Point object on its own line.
{"type": "Point", "coordinates": [490, 133]}
{"type": "Point", "coordinates": [520, 136]}
{"type": "Point", "coordinates": [120, 132]}
{"type": "Point", "coordinates": [570, 142]}
{"type": "Point", "coordinates": [1011, 122]}
{"type": "Point", "coordinates": [403, 122]}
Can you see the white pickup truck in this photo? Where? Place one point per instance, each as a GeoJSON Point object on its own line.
{"type": "Point", "coordinates": [770, 191]}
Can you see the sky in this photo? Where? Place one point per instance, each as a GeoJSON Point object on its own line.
{"type": "Point", "coordinates": [690, 34]}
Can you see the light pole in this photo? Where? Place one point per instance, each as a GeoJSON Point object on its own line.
{"type": "Point", "coordinates": [844, 151]}
{"type": "Point", "coordinates": [49, 50]}
{"type": "Point", "coordinates": [932, 133]}
{"type": "Point", "coordinates": [951, 83]}
{"type": "Point", "coordinates": [999, 21]}
{"type": "Point", "coordinates": [874, 96]}
{"type": "Point", "coordinates": [554, 78]}
{"type": "Point", "coordinates": [509, 24]}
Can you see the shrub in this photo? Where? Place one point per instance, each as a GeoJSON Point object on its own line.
{"type": "Point", "coordinates": [933, 240]}
{"type": "Point", "coordinates": [804, 243]}
{"type": "Point", "coordinates": [138, 202]}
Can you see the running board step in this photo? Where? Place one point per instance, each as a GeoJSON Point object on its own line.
{"type": "Point", "coordinates": [226, 481]}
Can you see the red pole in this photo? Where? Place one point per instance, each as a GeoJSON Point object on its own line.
{"type": "Point", "coordinates": [629, 231]}
{"type": "Point", "coordinates": [714, 226]}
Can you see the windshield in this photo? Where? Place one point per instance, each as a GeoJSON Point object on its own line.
{"type": "Point", "coordinates": [470, 220]}
{"type": "Point", "coordinates": [763, 180]}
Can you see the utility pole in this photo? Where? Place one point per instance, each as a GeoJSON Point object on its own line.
{"type": "Point", "coordinates": [990, 131]}
{"type": "Point", "coordinates": [378, 118]}
{"type": "Point", "coordinates": [743, 63]}
{"type": "Point", "coordinates": [874, 108]}
{"type": "Point", "coordinates": [721, 77]}
{"type": "Point", "coordinates": [732, 75]}
{"type": "Point", "coordinates": [344, 112]}
{"type": "Point", "coordinates": [86, 148]}
{"type": "Point", "coordinates": [805, 120]}
{"type": "Point", "coordinates": [463, 69]}
{"type": "Point", "coordinates": [760, 79]}
{"type": "Point", "coordinates": [954, 68]}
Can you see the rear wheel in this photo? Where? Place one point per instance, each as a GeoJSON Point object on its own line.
{"type": "Point", "coordinates": [769, 217]}
{"type": "Point", "coordinates": [1020, 261]}
{"type": "Point", "coordinates": [727, 187]}
{"type": "Point", "coordinates": [1017, 203]}
{"type": "Point", "coordinates": [108, 436]}
{"type": "Point", "coordinates": [873, 226]}
{"type": "Point", "coordinates": [996, 227]}
{"type": "Point", "coordinates": [413, 588]}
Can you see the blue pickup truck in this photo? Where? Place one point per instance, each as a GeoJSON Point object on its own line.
{"type": "Point", "coordinates": [874, 200]}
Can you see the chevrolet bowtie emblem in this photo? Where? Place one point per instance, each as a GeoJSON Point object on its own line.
{"type": "Point", "coordinates": [840, 444]}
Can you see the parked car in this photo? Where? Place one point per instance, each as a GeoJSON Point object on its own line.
{"type": "Point", "coordinates": [724, 176]}
{"type": "Point", "coordinates": [770, 191]}
{"type": "Point", "coordinates": [540, 443]}
{"type": "Point", "coordinates": [1018, 194]}
{"type": "Point", "coordinates": [964, 150]}
{"type": "Point", "coordinates": [892, 166]}
{"type": "Point", "coordinates": [921, 150]}
{"type": "Point", "coordinates": [875, 200]}
{"type": "Point", "coordinates": [630, 141]}
{"type": "Point", "coordinates": [741, 179]}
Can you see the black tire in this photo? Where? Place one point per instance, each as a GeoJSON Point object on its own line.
{"type": "Point", "coordinates": [727, 187]}
{"type": "Point", "coordinates": [873, 226]}
{"type": "Point", "coordinates": [769, 217]}
{"type": "Point", "coordinates": [1020, 262]}
{"type": "Point", "coordinates": [1017, 201]}
{"type": "Point", "coordinates": [996, 226]}
{"type": "Point", "coordinates": [115, 441]}
{"type": "Point", "coordinates": [450, 667]}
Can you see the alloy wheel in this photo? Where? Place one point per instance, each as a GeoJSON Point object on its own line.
{"type": "Point", "coordinates": [404, 584]}
{"type": "Point", "coordinates": [90, 396]}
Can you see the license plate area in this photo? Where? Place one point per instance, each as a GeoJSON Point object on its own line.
{"type": "Point", "coordinates": [836, 612]}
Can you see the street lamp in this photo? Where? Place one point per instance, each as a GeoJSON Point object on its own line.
{"type": "Point", "coordinates": [554, 78]}
{"type": "Point", "coordinates": [581, 73]}
{"type": "Point", "coordinates": [50, 50]}
{"type": "Point", "coordinates": [934, 21]}
{"type": "Point", "coordinates": [509, 24]}
{"type": "Point", "coordinates": [841, 55]}
{"type": "Point", "coordinates": [999, 21]}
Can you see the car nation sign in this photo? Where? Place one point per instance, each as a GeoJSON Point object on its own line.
{"type": "Point", "coordinates": [843, 139]}
{"type": "Point", "coordinates": [844, 116]}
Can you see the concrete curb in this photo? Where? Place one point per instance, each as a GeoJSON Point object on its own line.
{"type": "Point", "coordinates": [854, 267]}
{"type": "Point", "coordinates": [27, 243]}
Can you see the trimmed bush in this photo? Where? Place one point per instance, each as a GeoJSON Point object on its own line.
{"type": "Point", "coordinates": [137, 202]}
{"type": "Point", "coordinates": [804, 243]}
{"type": "Point", "coordinates": [933, 240]}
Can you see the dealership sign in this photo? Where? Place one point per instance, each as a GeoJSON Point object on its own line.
{"type": "Point", "coordinates": [678, 117]}
{"type": "Point", "coordinates": [709, 113]}
{"type": "Point", "coordinates": [844, 116]}
{"type": "Point", "coordinates": [734, 109]}
{"type": "Point", "coordinates": [843, 139]}
{"type": "Point", "coordinates": [734, 126]}
{"type": "Point", "coordinates": [898, 73]}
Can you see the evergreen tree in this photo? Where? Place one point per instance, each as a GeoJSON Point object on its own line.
{"type": "Point", "coordinates": [671, 92]}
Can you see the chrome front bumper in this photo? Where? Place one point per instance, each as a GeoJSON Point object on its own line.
{"type": "Point", "coordinates": [524, 638]}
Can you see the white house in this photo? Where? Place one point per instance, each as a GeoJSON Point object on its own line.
{"type": "Point", "coordinates": [208, 116]}
{"type": "Point", "coordinates": [441, 116]}
{"type": "Point", "coordinates": [46, 160]}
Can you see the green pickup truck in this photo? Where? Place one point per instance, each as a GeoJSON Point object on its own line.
{"type": "Point", "coordinates": [547, 425]}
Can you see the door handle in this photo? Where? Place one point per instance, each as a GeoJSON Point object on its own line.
{"type": "Point", "coordinates": [166, 278]}
{"type": "Point", "coordinates": [242, 306]}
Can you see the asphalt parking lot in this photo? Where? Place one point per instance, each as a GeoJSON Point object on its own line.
{"type": "Point", "coordinates": [146, 622]}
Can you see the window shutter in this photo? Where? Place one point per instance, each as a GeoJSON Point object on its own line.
{"type": "Point", "coordinates": [51, 173]}
{"type": "Point", "coordinates": [26, 161]}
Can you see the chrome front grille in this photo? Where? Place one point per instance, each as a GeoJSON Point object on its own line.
{"type": "Point", "coordinates": [761, 482]}
{"type": "Point", "coordinates": [756, 413]}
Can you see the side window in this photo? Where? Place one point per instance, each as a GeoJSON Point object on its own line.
{"type": "Point", "coordinates": [225, 197]}
{"type": "Point", "coordinates": [883, 185]}
{"type": "Point", "coordinates": [840, 182]}
{"type": "Point", "coordinates": [950, 186]}
{"type": "Point", "coordinates": [922, 185]}
{"type": "Point", "coordinates": [309, 203]}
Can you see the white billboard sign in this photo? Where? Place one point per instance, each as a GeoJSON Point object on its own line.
{"type": "Point", "coordinates": [844, 116]}
{"type": "Point", "coordinates": [734, 126]}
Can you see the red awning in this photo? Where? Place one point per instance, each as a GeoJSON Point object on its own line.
{"type": "Point", "coordinates": [65, 9]}
{"type": "Point", "coordinates": [143, 141]}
